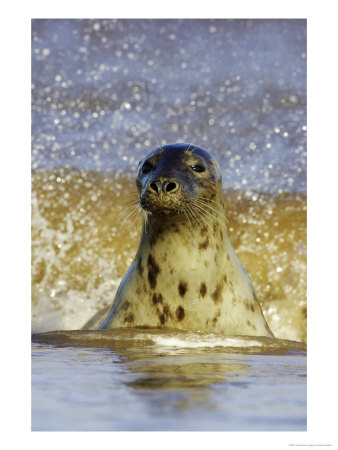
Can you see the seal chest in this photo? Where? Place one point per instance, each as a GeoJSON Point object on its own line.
{"type": "Point", "coordinates": [185, 273]}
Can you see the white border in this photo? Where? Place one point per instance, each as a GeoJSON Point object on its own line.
{"type": "Point", "coordinates": [15, 219]}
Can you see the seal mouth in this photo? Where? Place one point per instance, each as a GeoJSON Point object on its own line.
{"type": "Point", "coordinates": [161, 205]}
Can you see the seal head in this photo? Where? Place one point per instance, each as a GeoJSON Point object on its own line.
{"type": "Point", "coordinates": [170, 178]}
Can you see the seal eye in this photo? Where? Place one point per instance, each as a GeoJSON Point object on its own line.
{"type": "Point", "coordinates": [198, 168]}
{"type": "Point", "coordinates": [147, 167]}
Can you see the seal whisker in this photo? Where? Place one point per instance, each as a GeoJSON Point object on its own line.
{"type": "Point", "coordinates": [192, 151]}
{"type": "Point", "coordinates": [210, 215]}
{"type": "Point", "coordinates": [145, 220]}
{"type": "Point", "coordinates": [132, 205]}
{"type": "Point", "coordinates": [136, 219]}
{"type": "Point", "coordinates": [187, 212]}
{"type": "Point", "coordinates": [205, 204]}
{"type": "Point", "coordinates": [194, 215]}
{"type": "Point", "coordinates": [126, 215]}
{"type": "Point", "coordinates": [208, 200]}
{"type": "Point", "coordinates": [131, 222]}
{"type": "Point", "coordinates": [201, 214]}
{"type": "Point", "coordinates": [220, 217]}
{"type": "Point", "coordinates": [157, 139]}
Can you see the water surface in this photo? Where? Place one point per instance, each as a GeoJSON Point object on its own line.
{"type": "Point", "coordinates": [154, 380]}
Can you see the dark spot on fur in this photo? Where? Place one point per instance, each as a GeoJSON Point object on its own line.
{"type": "Point", "coordinates": [252, 307]}
{"type": "Point", "coordinates": [203, 289]}
{"type": "Point", "coordinates": [157, 298]}
{"type": "Point", "coordinates": [251, 325]}
{"type": "Point", "coordinates": [153, 271]}
{"type": "Point", "coordinates": [153, 239]}
{"type": "Point", "coordinates": [204, 245]}
{"type": "Point", "coordinates": [228, 257]}
{"type": "Point", "coordinates": [182, 288]}
{"type": "Point", "coordinates": [125, 305]}
{"type": "Point", "coordinates": [162, 319]}
{"type": "Point", "coordinates": [180, 313]}
{"type": "Point", "coordinates": [247, 305]}
{"type": "Point", "coordinates": [225, 278]}
{"type": "Point", "coordinates": [155, 236]}
{"type": "Point", "coordinates": [214, 320]}
{"type": "Point", "coordinates": [166, 311]}
{"type": "Point", "coordinates": [140, 267]}
{"type": "Point", "coordinates": [216, 295]}
{"type": "Point", "coordinates": [129, 318]}
{"type": "Point", "coordinates": [221, 233]}
{"type": "Point", "coordinates": [204, 230]}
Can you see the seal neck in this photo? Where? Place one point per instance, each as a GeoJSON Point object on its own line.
{"type": "Point", "coordinates": [174, 231]}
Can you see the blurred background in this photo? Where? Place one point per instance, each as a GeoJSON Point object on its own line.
{"type": "Point", "coordinates": [106, 92]}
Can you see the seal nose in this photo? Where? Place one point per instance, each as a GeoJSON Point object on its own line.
{"type": "Point", "coordinates": [164, 186]}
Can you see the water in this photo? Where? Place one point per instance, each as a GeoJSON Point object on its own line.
{"type": "Point", "coordinates": [169, 381]}
{"type": "Point", "coordinates": [104, 93]}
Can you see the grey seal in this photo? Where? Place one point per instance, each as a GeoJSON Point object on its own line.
{"type": "Point", "coordinates": [185, 274]}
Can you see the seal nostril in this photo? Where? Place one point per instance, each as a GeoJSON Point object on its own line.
{"type": "Point", "coordinates": [156, 186]}
{"type": "Point", "coordinates": [166, 186]}
{"type": "Point", "coordinates": [170, 186]}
